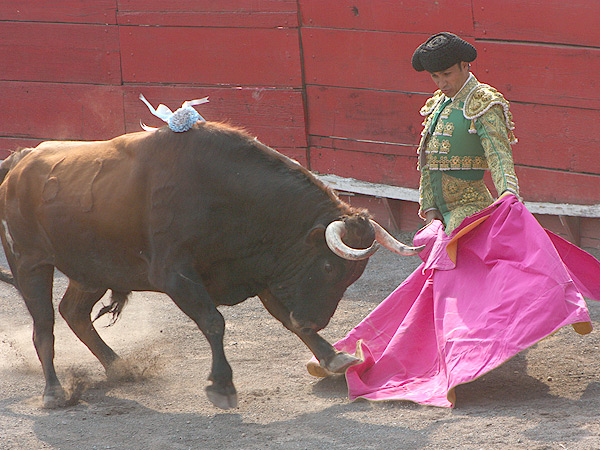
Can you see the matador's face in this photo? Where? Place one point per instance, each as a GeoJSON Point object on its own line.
{"type": "Point", "coordinates": [451, 80]}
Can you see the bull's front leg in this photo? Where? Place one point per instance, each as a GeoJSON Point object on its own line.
{"type": "Point", "coordinates": [188, 293]}
{"type": "Point", "coordinates": [330, 360]}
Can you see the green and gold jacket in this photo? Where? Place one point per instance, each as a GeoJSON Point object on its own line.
{"type": "Point", "coordinates": [465, 136]}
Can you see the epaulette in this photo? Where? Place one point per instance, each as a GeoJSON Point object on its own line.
{"type": "Point", "coordinates": [431, 103]}
{"type": "Point", "coordinates": [481, 99]}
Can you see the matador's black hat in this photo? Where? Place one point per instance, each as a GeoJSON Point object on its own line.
{"type": "Point", "coordinates": [442, 51]}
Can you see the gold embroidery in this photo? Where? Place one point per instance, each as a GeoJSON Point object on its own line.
{"type": "Point", "coordinates": [467, 162]}
{"type": "Point", "coordinates": [434, 145]}
{"type": "Point", "coordinates": [479, 163]}
{"type": "Point", "coordinates": [446, 112]}
{"type": "Point", "coordinates": [463, 198]}
{"type": "Point", "coordinates": [445, 147]}
{"type": "Point", "coordinates": [472, 129]}
{"type": "Point", "coordinates": [455, 162]}
{"type": "Point", "coordinates": [433, 162]}
{"type": "Point", "coordinates": [497, 150]}
{"type": "Point", "coordinates": [481, 99]}
{"type": "Point", "coordinates": [431, 103]}
{"type": "Point", "coordinates": [444, 163]}
{"type": "Point", "coordinates": [448, 129]}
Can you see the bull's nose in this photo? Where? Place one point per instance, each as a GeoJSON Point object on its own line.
{"type": "Point", "coordinates": [303, 327]}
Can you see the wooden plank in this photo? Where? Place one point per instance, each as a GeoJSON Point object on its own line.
{"type": "Point", "coordinates": [575, 22]}
{"type": "Point", "coordinates": [572, 227]}
{"type": "Point", "coordinates": [202, 13]}
{"type": "Point", "coordinates": [556, 137]}
{"type": "Point", "coordinates": [384, 148]}
{"type": "Point", "coordinates": [71, 11]}
{"type": "Point", "coordinates": [70, 53]}
{"type": "Point", "coordinates": [275, 116]}
{"type": "Point", "coordinates": [409, 219]}
{"type": "Point", "coordinates": [542, 185]}
{"type": "Point", "coordinates": [254, 57]}
{"type": "Point", "coordinates": [380, 119]}
{"type": "Point", "coordinates": [363, 59]}
{"type": "Point", "coordinates": [368, 188]}
{"type": "Point", "coordinates": [422, 16]}
{"type": "Point", "coordinates": [210, 19]}
{"type": "Point", "coordinates": [223, 6]}
{"type": "Point", "coordinates": [385, 169]}
{"type": "Point", "coordinates": [61, 111]}
{"type": "Point", "coordinates": [545, 74]}
{"type": "Point", "coordinates": [590, 228]}
{"type": "Point", "coordinates": [357, 186]}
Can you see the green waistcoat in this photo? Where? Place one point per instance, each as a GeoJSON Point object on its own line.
{"type": "Point", "coordinates": [452, 147]}
{"type": "Point", "coordinates": [461, 139]}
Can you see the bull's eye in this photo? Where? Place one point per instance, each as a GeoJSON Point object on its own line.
{"type": "Point", "coordinates": [327, 267]}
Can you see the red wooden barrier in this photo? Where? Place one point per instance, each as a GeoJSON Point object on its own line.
{"type": "Point", "coordinates": [550, 21]}
{"type": "Point", "coordinates": [66, 11]}
{"type": "Point", "coordinates": [60, 111]}
{"type": "Point", "coordinates": [209, 13]}
{"type": "Point", "coordinates": [60, 52]}
{"type": "Point", "coordinates": [210, 56]}
{"type": "Point", "coordinates": [418, 16]}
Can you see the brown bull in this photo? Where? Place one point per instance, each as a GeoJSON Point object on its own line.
{"type": "Point", "coordinates": [209, 216]}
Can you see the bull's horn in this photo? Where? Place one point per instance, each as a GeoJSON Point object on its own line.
{"type": "Point", "coordinates": [333, 236]}
{"type": "Point", "coordinates": [389, 242]}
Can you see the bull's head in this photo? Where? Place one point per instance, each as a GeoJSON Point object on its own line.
{"type": "Point", "coordinates": [334, 257]}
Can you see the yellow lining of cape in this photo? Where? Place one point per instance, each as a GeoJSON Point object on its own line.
{"type": "Point", "coordinates": [452, 246]}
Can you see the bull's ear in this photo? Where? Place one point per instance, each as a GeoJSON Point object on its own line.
{"type": "Point", "coordinates": [316, 235]}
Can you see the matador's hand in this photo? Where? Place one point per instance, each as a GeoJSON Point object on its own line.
{"type": "Point", "coordinates": [432, 215]}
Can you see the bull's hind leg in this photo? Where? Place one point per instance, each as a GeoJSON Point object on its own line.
{"type": "Point", "coordinates": [35, 286]}
{"type": "Point", "coordinates": [188, 293]}
{"type": "Point", "coordinates": [76, 307]}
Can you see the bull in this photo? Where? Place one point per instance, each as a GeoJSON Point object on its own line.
{"type": "Point", "coordinates": [210, 217]}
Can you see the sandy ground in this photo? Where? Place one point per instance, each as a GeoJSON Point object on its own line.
{"type": "Point", "coordinates": [547, 397]}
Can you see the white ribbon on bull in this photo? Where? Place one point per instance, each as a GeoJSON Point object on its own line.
{"type": "Point", "coordinates": [179, 121]}
{"type": "Point", "coordinates": [336, 230]}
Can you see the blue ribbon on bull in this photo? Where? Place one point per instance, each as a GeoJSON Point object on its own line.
{"type": "Point", "coordinates": [179, 121]}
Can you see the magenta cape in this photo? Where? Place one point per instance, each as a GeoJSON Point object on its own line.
{"type": "Point", "coordinates": [512, 284]}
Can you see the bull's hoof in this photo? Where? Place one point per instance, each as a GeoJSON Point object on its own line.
{"type": "Point", "coordinates": [222, 398]}
{"type": "Point", "coordinates": [54, 398]}
{"type": "Point", "coordinates": [340, 362]}
{"type": "Point", "coordinates": [316, 370]}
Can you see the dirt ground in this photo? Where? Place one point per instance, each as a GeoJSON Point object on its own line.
{"type": "Point", "coordinates": [547, 397]}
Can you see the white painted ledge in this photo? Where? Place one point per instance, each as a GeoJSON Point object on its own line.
{"type": "Point", "coordinates": [354, 186]}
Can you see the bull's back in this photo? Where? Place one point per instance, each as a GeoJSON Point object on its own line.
{"type": "Point", "coordinates": [80, 206]}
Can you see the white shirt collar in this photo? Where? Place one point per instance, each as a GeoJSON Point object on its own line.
{"type": "Point", "coordinates": [463, 86]}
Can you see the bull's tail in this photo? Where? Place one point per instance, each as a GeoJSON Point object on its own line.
{"type": "Point", "coordinates": [117, 303]}
{"type": "Point", "coordinates": [11, 161]}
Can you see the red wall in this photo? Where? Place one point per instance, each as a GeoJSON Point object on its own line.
{"type": "Point", "coordinates": [328, 83]}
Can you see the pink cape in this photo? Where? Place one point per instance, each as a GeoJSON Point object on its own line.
{"type": "Point", "coordinates": [512, 284]}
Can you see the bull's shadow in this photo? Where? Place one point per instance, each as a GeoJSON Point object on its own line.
{"type": "Point", "coordinates": [111, 422]}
